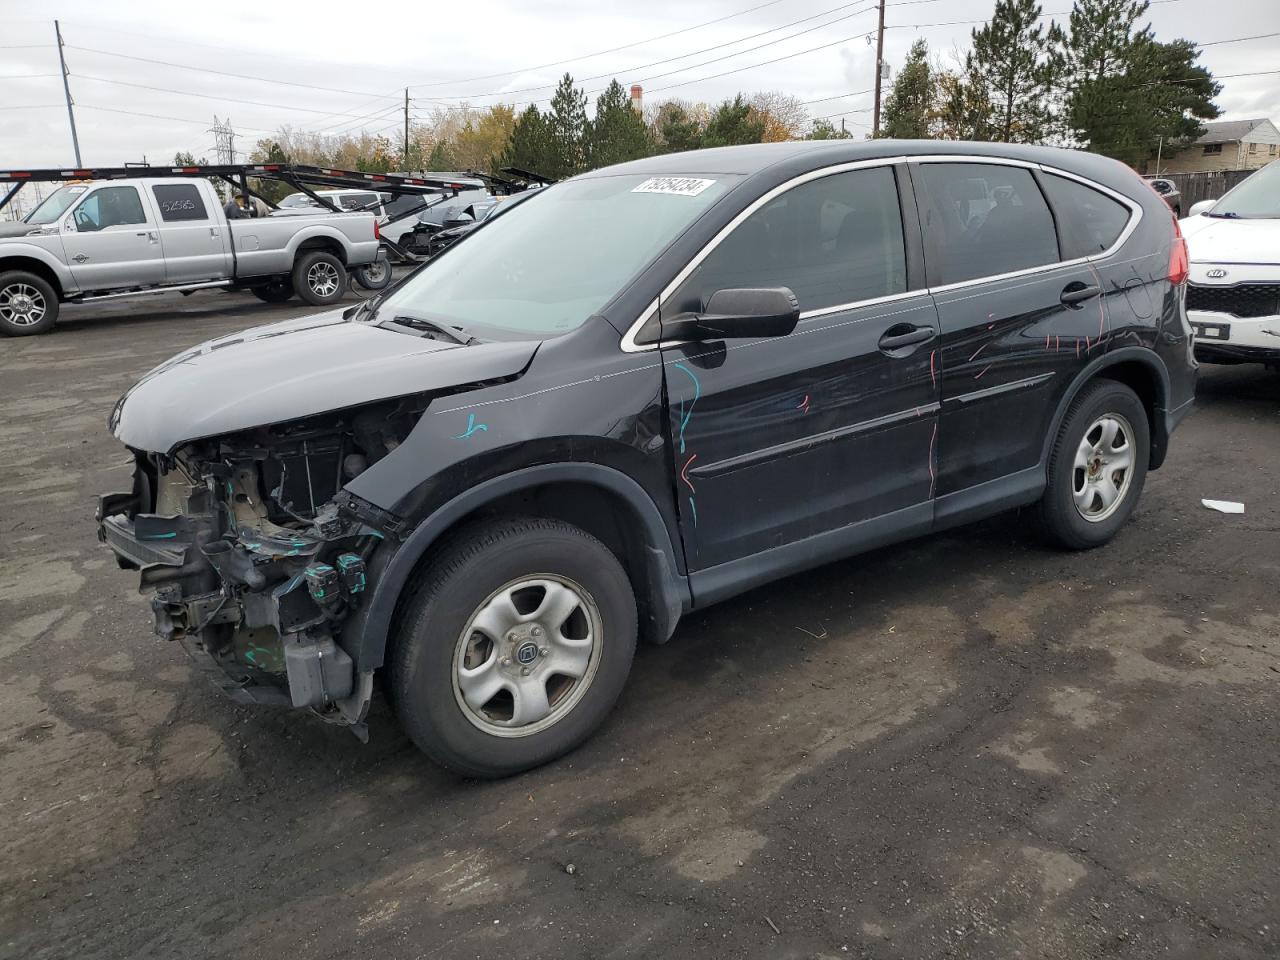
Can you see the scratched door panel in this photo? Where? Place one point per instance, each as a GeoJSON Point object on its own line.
{"type": "Point", "coordinates": [777, 440]}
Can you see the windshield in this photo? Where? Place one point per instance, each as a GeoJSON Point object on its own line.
{"type": "Point", "coordinates": [545, 266]}
{"type": "Point", "coordinates": [56, 204]}
{"type": "Point", "coordinates": [1258, 197]}
{"type": "Point", "coordinates": [297, 200]}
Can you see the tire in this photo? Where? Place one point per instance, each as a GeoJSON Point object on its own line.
{"type": "Point", "coordinates": [28, 304]}
{"type": "Point", "coordinates": [376, 275]}
{"type": "Point", "coordinates": [1078, 510]}
{"type": "Point", "coordinates": [277, 291]}
{"type": "Point", "coordinates": [319, 278]}
{"type": "Point", "coordinates": [474, 573]}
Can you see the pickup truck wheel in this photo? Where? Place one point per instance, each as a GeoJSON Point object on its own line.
{"type": "Point", "coordinates": [319, 278]}
{"type": "Point", "coordinates": [515, 647]}
{"type": "Point", "coordinates": [277, 291]}
{"type": "Point", "coordinates": [1097, 467]}
{"type": "Point", "coordinates": [376, 275]}
{"type": "Point", "coordinates": [28, 305]}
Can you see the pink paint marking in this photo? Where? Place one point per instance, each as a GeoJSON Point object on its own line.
{"type": "Point", "coordinates": [684, 472]}
{"type": "Point", "coordinates": [978, 351]}
{"type": "Point", "coordinates": [984, 370]}
{"type": "Point", "coordinates": [933, 375]}
{"type": "Point", "coordinates": [933, 473]}
{"type": "Point", "coordinates": [1102, 319]}
{"type": "Point", "coordinates": [803, 406]}
{"type": "Point", "coordinates": [1057, 342]}
{"type": "Point", "coordinates": [1087, 345]}
{"type": "Point", "coordinates": [1046, 341]}
{"type": "Point", "coordinates": [1077, 348]}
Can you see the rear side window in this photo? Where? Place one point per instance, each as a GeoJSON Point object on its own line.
{"type": "Point", "coordinates": [834, 240]}
{"type": "Point", "coordinates": [1089, 220]}
{"type": "Point", "coordinates": [982, 220]}
{"type": "Point", "coordinates": [179, 201]}
{"type": "Point", "coordinates": [357, 201]}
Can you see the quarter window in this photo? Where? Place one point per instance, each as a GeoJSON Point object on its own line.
{"type": "Point", "coordinates": [983, 220]}
{"type": "Point", "coordinates": [179, 201]}
{"type": "Point", "coordinates": [1089, 220]}
{"type": "Point", "coordinates": [834, 240]}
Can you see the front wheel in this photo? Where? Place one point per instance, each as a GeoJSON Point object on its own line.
{"type": "Point", "coordinates": [1097, 466]}
{"type": "Point", "coordinates": [376, 275]}
{"type": "Point", "coordinates": [515, 648]}
{"type": "Point", "coordinates": [28, 304]}
{"type": "Point", "coordinates": [319, 278]}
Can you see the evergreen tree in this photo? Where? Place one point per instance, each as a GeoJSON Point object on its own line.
{"type": "Point", "coordinates": [823, 130]}
{"type": "Point", "coordinates": [567, 126]}
{"type": "Point", "coordinates": [1126, 91]}
{"type": "Point", "coordinates": [441, 157]}
{"type": "Point", "coordinates": [530, 146]}
{"type": "Point", "coordinates": [733, 122]}
{"type": "Point", "coordinates": [677, 130]}
{"type": "Point", "coordinates": [1019, 65]}
{"type": "Point", "coordinates": [617, 133]}
{"type": "Point", "coordinates": [909, 111]}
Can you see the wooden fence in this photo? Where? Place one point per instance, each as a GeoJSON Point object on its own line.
{"type": "Point", "coordinates": [1195, 187]}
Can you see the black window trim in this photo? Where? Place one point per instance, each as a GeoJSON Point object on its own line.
{"type": "Point", "coordinates": [1135, 216]}
{"type": "Point", "coordinates": [98, 188]}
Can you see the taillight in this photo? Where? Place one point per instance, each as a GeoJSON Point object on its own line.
{"type": "Point", "coordinates": [377, 231]}
{"type": "Point", "coordinates": [1179, 268]}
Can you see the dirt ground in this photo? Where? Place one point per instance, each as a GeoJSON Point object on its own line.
{"type": "Point", "coordinates": [968, 746]}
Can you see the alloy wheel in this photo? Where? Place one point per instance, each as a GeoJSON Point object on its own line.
{"type": "Point", "coordinates": [22, 305]}
{"type": "Point", "coordinates": [1103, 468]}
{"type": "Point", "coordinates": [323, 279]}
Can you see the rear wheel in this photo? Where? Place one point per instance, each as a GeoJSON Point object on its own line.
{"type": "Point", "coordinates": [374, 276]}
{"type": "Point", "coordinates": [277, 291]}
{"type": "Point", "coordinates": [319, 278]}
{"type": "Point", "coordinates": [1097, 467]}
{"type": "Point", "coordinates": [515, 647]}
{"type": "Point", "coordinates": [28, 304]}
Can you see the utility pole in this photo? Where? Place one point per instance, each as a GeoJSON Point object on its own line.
{"type": "Point", "coordinates": [66, 89]}
{"type": "Point", "coordinates": [405, 159]}
{"type": "Point", "coordinates": [875, 123]}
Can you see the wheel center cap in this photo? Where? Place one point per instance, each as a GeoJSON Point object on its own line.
{"type": "Point", "coordinates": [526, 653]}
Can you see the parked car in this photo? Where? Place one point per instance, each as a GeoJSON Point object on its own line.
{"type": "Point", "coordinates": [154, 235]}
{"type": "Point", "coordinates": [381, 205]}
{"type": "Point", "coordinates": [1169, 193]}
{"type": "Point", "coordinates": [657, 387]}
{"type": "Point", "coordinates": [1234, 296]}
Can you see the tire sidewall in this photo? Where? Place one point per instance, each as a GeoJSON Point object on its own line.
{"type": "Point", "coordinates": [1097, 402]}
{"type": "Point", "coordinates": [422, 678]}
{"type": "Point", "coordinates": [362, 274]}
{"type": "Point", "coordinates": [303, 288]}
{"type": "Point", "coordinates": [51, 304]}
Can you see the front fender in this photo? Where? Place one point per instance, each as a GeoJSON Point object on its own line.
{"type": "Point", "coordinates": [23, 254]}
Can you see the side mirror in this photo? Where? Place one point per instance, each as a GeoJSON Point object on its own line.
{"type": "Point", "coordinates": [1204, 206]}
{"type": "Point", "coordinates": [746, 313]}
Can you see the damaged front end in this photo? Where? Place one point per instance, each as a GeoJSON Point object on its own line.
{"type": "Point", "coordinates": [254, 565]}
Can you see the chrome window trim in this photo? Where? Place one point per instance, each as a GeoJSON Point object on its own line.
{"type": "Point", "coordinates": [629, 345]}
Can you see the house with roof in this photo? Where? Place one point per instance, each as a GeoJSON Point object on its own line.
{"type": "Point", "coordinates": [1227, 145]}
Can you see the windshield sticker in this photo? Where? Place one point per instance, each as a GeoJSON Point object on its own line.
{"type": "Point", "coordinates": [681, 186]}
{"type": "Point", "coordinates": [75, 190]}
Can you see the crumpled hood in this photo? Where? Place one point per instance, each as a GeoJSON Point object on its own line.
{"type": "Point", "coordinates": [1221, 240]}
{"type": "Point", "coordinates": [296, 368]}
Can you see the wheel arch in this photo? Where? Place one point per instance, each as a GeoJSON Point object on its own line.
{"type": "Point", "coordinates": [35, 266]}
{"type": "Point", "coordinates": [330, 242]}
{"type": "Point", "coordinates": [600, 500]}
{"type": "Point", "coordinates": [1142, 371]}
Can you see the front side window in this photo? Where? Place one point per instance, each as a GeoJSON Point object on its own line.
{"type": "Point", "coordinates": [832, 241]}
{"type": "Point", "coordinates": [545, 266]}
{"type": "Point", "coordinates": [179, 201]}
{"type": "Point", "coordinates": [983, 220]}
{"type": "Point", "coordinates": [1089, 220]}
{"type": "Point", "coordinates": [109, 207]}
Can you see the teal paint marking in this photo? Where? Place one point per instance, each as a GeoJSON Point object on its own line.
{"type": "Point", "coordinates": [697, 392]}
{"type": "Point", "coordinates": [472, 427]}
{"type": "Point", "coordinates": [159, 536]}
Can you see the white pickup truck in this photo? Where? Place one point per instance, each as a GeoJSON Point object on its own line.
{"type": "Point", "coordinates": [114, 238]}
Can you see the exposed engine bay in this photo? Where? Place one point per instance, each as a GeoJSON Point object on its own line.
{"type": "Point", "coordinates": [254, 564]}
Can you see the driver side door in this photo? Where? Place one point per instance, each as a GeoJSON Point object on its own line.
{"type": "Point", "coordinates": [112, 240]}
{"type": "Point", "coordinates": [793, 450]}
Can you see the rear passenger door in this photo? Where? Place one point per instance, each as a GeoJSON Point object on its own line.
{"type": "Point", "coordinates": [194, 247]}
{"type": "Point", "coordinates": [1019, 319]}
{"type": "Point", "coordinates": [809, 435]}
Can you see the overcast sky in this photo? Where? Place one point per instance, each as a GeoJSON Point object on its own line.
{"type": "Point", "coordinates": [485, 53]}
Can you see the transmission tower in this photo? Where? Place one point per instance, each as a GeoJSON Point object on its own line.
{"type": "Point", "coordinates": [224, 139]}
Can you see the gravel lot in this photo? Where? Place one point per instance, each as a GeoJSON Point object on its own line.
{"type": "Point", "coordinates": [969, 745]}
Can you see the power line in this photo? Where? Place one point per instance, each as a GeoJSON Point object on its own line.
{"type": "Point", "coordinates": [27, 76]}
{"type": "Point", "coordinates": [1260, 36]}
{"type": "Point", "coordinates": [157, 116]}
{"type": "Point", "coordinates": [600, 53]}
{"type": "Point", "coordinates": [841, 96]}
{"type": "Point", "coordinates": [30, 106]}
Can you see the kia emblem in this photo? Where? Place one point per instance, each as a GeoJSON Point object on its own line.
{"type": "Point", "coordinates": [1217, 273]}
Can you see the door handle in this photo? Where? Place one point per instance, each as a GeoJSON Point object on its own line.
{"type": "Point", "coordinates": [905, 335]}
{"type": "Point", "coordinates": [1077, 292]}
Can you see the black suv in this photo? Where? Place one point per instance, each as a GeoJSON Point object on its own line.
{"type": "Point", "coordinates": [644, 391]}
